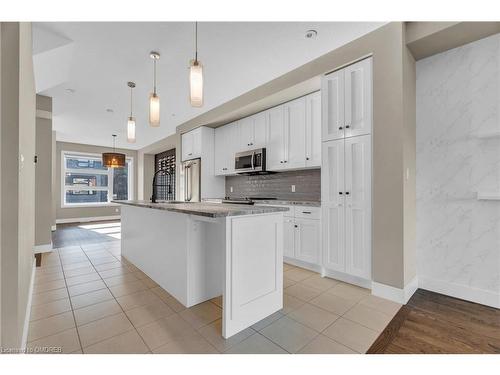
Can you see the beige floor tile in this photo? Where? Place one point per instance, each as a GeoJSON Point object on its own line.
{"type": "Point", "coordinates": [323, 345]}
{"type": "Point", "coordinates": [126, 343]}
{"type": "Point", "coordinates": [168, 299]}
{"type": "Point", "coordinates": [313, 317]}
{"type": "Point", "coordinates": [91, 298]}
{"type": "Point", "coordinates": [50, 326]}
{"type": "Point", "coordinates": [114, 272]}
{"type": "Point", "coordinates": [305, 293]}
{"type": "Point", "coordinates": [331, 302]}
{"type": "Point", "coordinates": [268, 320]}
{"type": "Point", "coordinates": [349, 291]}
{"type": "Point", "coordinates": [103, 260]}
{"type": "Point", "coordinates": [46, 270]}
{"type": "Point", "coordinates": [289, 334]}
{"type": "Point", "coordinates": [108, 266]}
{"type": "Point", "coordinates": [62, 342]}
{"type": "Point", "coordinates": [120, 279]}
{"type": "Point", "coordinates": [49, 309]}
{"type": "Point", "coordinates": [49, 296]}
{"type": "Point", "coordinates": [217, 301]}
{"type": "Point", "coordinates": [352, 335]}
{"type": "Point", "coordinates": [75, 266]}
{"type": "Point", "coordinates": [141, 298]}
{"type": "Point", "coordinates": [140, 275]}
{"type": "Point", "coordinates": [256, 344]}
{"type": "Point", "coordinates": [98, 311]}
{"type": "Point", "coordinates": [298, 274]}
{"type": "Point", "coordinates": [128, 288]}
{"type": "Point", "coordinates": [194, 344]}
{"type": "Point", "coordinates": [79, 271]}
{"type": "Point", "coordinates": [287, 267]}
{"type": "Point", "coordinates": [290, 303]}
{"type": "Point", "coordinates": [288, 282]}
{"type": "Point", "coordinates": [320, 283]}
{"type": "Point", "coordinates": [142, 315]}
{"type": "Point", "coordinates": [381, 304]}
{"type": "Point", "coordinates": [82, 279]}
{"type": "Point", "coordinates": [165, 330]}
{"type": "Point", "coordinates": [201, 314]}
{"type": "Point", "coordinates": [148, 282]}
{"type": "Point", "coordinates": [76, 290]}
{"type": "Point", "coordinates": [39, 279]}
{"type": "Point", "coordinates": [213, 334]}
{"type": "Point", "coordinates": [49, 285]}
{"type": "Point", "coordinates": [368, 317]}
{"type": "Point", "coordinates": [103, 329]}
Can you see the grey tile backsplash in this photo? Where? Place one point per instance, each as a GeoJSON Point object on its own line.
{"type": "Point", "coordinates": [278, 185]}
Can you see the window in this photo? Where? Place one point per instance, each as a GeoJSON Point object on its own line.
{"type": "Point", "coordinates": [86, 182]}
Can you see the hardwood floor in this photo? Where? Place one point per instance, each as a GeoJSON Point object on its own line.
{"type": "Point", "coordinates": [435, 323]}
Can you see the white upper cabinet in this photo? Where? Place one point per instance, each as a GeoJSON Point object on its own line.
{"type": "Point", "coordinates": [252, 132]}
{"type": "Point", "coordinates": [313, 129]}
{"type": "Point", "coordinates": [347, 101]}
{"type": "Point", "coordinates": [275, 151]}
{"type": "Point", "coordinates": [358, 98]}
{"type": "Point", "coordinates": [191, 144]}
{"type": "Point", "coordinates": [332, 92]}
{"type": "Point", "coordinates": [226, 138]}
{"type": "Point", "coordinates": [295, 134]}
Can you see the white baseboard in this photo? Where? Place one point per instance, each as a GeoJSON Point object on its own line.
{"type": "Point", "coordinates": [395, 294]}
{"type": "Point", "coordinates": [481, 296]}
{"type": "Point", "coordinates": [337, 275]}
{"type": "Point", "coordinates": [24, 339]}
{"type": "Point", "coordinates": [47, 248]}
{"type": "Point", "coordinates": [301, 264]}
{"type": "Point", "coordinates": [53, 228]}
{"type": "Point", "coordinates": [87, 219]}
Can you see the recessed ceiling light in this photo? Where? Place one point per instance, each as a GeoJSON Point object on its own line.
{"type": "Point", "coordinates": [311, 34]}
{"type": "Point", "coordinates": [70, 91]}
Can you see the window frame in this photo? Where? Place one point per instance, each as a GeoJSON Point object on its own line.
{"type": "Point", "coordinates": [107, 172]}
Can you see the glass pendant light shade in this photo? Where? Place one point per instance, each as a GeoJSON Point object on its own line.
{"type": "Point", "coordinates": [154, 110]}
{"type": "Point", "coordinates": [131, 130]}
{"type": "Point", "coordinates": [196, 83]}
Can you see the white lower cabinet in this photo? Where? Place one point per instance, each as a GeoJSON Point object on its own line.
{"type": "Point", "coordinates": [289, 237]}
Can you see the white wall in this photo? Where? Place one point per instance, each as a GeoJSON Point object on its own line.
{"type": "Point", "coordinates": [458, 237]}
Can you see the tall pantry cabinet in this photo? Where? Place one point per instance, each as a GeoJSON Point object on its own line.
{"type": "Point", "coordinates": [346, 174]}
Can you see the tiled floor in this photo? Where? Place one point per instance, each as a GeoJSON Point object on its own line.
{"type": "Point", "coordinates": [88, 299]}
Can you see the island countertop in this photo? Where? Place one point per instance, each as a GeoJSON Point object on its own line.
{"type": "Point", "coordinates": [205, 209]}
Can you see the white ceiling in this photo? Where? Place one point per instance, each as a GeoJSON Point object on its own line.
{"type": "Point", "coordinates": [97, 59]}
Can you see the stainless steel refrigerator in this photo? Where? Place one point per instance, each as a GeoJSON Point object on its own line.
{"type": "Point", "coordinates": [192, 180]}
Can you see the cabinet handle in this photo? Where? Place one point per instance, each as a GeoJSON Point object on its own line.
{"type": "Point", "coordinates": [346, 193]}
{"type": "Point", "coordinates": [340, 193]}
{"type": "Point", "coordinates": [190, 154]}
{"type": "Point", "coordinates": [285, 161]}
{"type": "Point", "coordinates": [307, 158]}
{"type": "Point", "coordinates": [340, 127]}
{"type": "Point", "coordinates": [347, 126]}
{"type": "Point", "coordinates": [281, 161]}
{"type": "Point", "coordinates": [296, 226]}
{"type": "Point", "coordinates": [306, 212]}
{"type": "Point", "coordinates": [248, 144]}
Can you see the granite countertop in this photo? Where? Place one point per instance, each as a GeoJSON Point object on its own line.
{"type": "Point", "coordinates": [205, 208]}
{"type": "Point", "coordinates": [277, 202]}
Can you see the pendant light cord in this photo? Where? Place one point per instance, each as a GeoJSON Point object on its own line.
{"type": "Point", "coordinates": [154, 76]}
{"type": "Point", "coordinates": [114, 138]}
{"type": "Point", "coordinates": [131, 102]}
{"type": "Point", "coordinates": [196, 43]}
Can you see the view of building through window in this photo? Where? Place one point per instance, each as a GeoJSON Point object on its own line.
{"type": "Point", "coordinates": [87, 181]}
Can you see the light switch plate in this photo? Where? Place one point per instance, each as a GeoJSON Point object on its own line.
{"type": "Point", "coordinates": [231, 189]}
{"type": "Point", "coordinates": [293, 188]}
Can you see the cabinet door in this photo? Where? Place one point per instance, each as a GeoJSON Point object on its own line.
{"type": "Point", "coordinates": [332, 105]}
{"type": "Point", "coordinates": [187, 146]}
{"type": "Point", "coordinates": [259, 130]}
{"type": "Point", "coordinates": [275, 140]}
{"type": "Point", "coordinates": [358, 98]}
{"type": "Point", "coordinates": [222, 139]}
{"type": "Point", "coordinates": [295, 133]}
{"type": "Point", "coordinates": [358, 206]}
{"type": "Point", "coordinates": [289, 239]}
{"type": "Point", "coordinates": [313, 130]}
{"type": "Point", "coordinates": [230, 146]}
{"type": "Point", "coordinates": [307, 240]}
{"type": "Point", "coordinates": [333, 209]}
{"type": "Point", "coordinates": [245, 130]}
{"type": "Point", "coordinates": [196, 134]}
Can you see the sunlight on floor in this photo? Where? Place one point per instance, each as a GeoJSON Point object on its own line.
{"type": "Point", "coordinates": [109, 229]}
{"type": "Point", "coordinates": [100, 225]}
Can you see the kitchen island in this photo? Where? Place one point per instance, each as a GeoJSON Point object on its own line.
{"type": "Point", "coordinates": [198, 251]}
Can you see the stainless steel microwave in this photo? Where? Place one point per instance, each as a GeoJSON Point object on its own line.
{"type": "Point", "coordinates": [250, 162]}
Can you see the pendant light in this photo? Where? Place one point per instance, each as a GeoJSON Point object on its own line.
{"type": "Point", "coordinates": [196, 76]}
{"type": "Point", "coordinates": [154, 99]}
{"type": "Point", "coordinates": [131, 118]}
{"type": "Point", "coordinates": [113, 159]}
